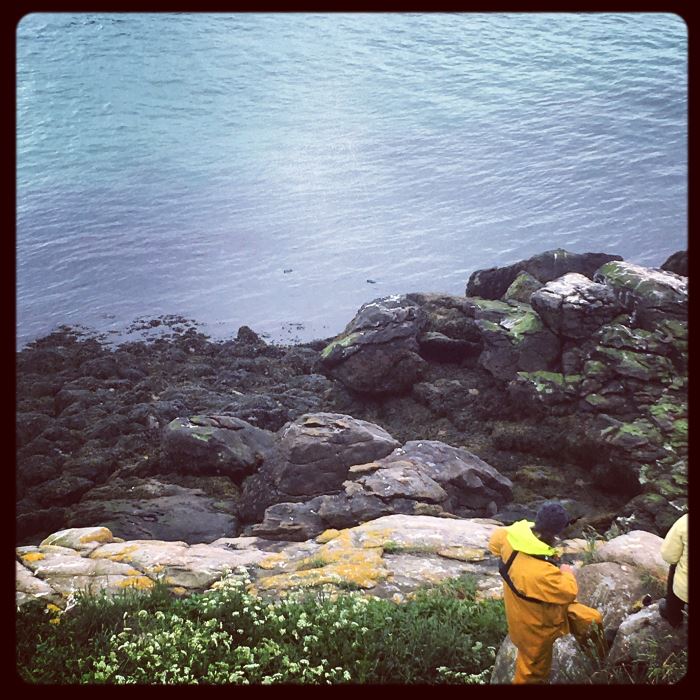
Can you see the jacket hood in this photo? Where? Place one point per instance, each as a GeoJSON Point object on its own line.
{"type": "Point", "coordinates": [521, 538]}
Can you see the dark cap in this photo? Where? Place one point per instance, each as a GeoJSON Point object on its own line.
{"type": "Point", "coordinates": [551, 518]}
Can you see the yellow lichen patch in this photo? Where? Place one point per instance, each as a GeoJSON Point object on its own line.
{"type": "Point", "coordinates": [54, 620]}
{"type": "Point", "coordinates": [33, 556]}
{"type": "Point", "coordinates": [133, 572]}
{"type": "Point", "coordinates": [338, 562]}
{"type": "Point", "coordinates": [140, 582]}
{"type": "Point", "coordinates": [178, 590]}
{"type": "Point", "coordinates": [463, 553]}
{"type": "Point", "coordinates": [377, 538]}
{"type": "Point", "coordinates": [119, 555]}
{"type": "Point", "coordinates": [273, 561]}
{"type": "Point", "coordinates": [327, 536]}
{"type": "Point", "coordinates": [102, 535]}
{"type": "Point", "coordinates": [156, 569]}
{"type": "Point", "coordinates": [52, 607]}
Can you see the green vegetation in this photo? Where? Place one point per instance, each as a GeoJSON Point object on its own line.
{"type": "Point", "coordinates": [227, 635]}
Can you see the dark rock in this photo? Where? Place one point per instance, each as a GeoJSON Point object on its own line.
{"type": "Point", "coordinates": [437, 347]}
{"type": "Point", "coordinates": [39, 523]}
{"type": "Point", "coordinates": [101, 368]}
{"type": "Point", "coordinates": [37, 468]}
{"type": "Point", "coordinates": [380, 370]}
{"type": "Point", "coordinates": [377, 352]}
{"type": "Point", "coordinates": [63, 491]}
{"type": "Point", "coordinates": [109, 428]}
{"type": "Point", "coordinates": [153, 510]}
{"type": "Point", "coordinates": [29, 426]}
{"type": "Point", "coordinates": [214, 445]}
{"type": "Point", "coordinates": [313, 458]}
{"type": "Point", "coordinates": [545, 267]}
{"type": "Point", "coordinates": [248, 336]}
{"type": "Point", "coordinates": [514, 338]}
{"type": "Point", "coordinates": [678, 263]}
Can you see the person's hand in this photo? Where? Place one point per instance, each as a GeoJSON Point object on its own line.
{"type": "Point", "coordinates": [567, 569]}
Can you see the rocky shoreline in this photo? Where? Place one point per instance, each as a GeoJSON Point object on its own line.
{"type": "Point", "coordinates": [563, 376]}
{"type": "Point", "coordinates": [379, 460]}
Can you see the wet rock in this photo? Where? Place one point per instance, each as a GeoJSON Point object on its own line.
{"type": "Point", "coordinates": [214, 445]}
{"type": "Point", "coordinates": [378, 351]}
{"type": "Point", "coordinates": [522, 288]}
{"type": "Point", "coordinates": [574, 306]}
{"type": "Point", "coordinates": [652, 295]}
{"type": "Point", "coordinates": [678, 263]}
{"type": "Point", "coordinates": [545, 267]}
{"type": "Point", "coordinates": [514, 338]}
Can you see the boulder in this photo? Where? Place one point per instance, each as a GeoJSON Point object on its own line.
{"type": "Point", "coordinates": [377, 353]}
{"type": "Point", "coordinates": [214, 445]}
{"type": "Point", "coordinates": [136, 508]}
{"type": "Point", "coordinates": [494, 282]}
{"type": "Point", "coordinates": [597, 580]}
{"type": "Point", "coordinates": [514, 338]}
{"type": "Point", "coordinates": [569, 663]}
{"type": "Point", "coordinates": [646, 635]}
{"type": "Point", "coordinates": [678, 263]}
{"type": "Point", "coordinates": [574, 306]}
{"type": "Point", "coordinates": [423, 476]}
{"type": "Point", "coordinates": [651, 295]}
{"type": "Point", "coordinates": [312, 458]}
{"type": "Point", "coordinates": [636, 548]}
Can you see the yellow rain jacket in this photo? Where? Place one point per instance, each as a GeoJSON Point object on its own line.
{"type": "Point", "coordinates": [674, 550]}
{"type": "Point", "coordinates": [534, 625]}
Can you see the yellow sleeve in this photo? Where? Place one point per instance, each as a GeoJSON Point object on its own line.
{"type": "Point", "coordinates": [672, 546]}
{"type": "Point", "coordinates": [558, 587]}
{"type": "Point", "coordinates": [496, 540]}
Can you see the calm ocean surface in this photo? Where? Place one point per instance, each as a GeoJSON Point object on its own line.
{"type": "Point", "coordinates": [258, 169]}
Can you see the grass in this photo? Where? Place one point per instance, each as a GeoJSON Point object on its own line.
{"type": "Point", "coordinates": [227, 635]}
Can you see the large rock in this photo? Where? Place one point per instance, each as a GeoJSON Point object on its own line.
{"type": "Point", "coordinates": [514, 338]}
{"type": "Point", "coordinates": [136, 508]}
{"type": "Point", "coordinates": [574, 306]}
{"type": "Point", "coordinates": [312, 458]}
{"type": "Point", "coordinates": [596, 581]}
{"type": "Point", "coordinates": [422, 477]}
{"type": "Point", "coordinates": [545, 267]}
{"type": "Point", "coordinates": [652, 295]}
{"type": "Point", "coordinates": [377, 353]}
{"type": "Point", "coordinates": [389, 557]}
{"type": "Point", "coordinates": [569, 663]}
{"type": "Point", "coordinates": [647, 634]}
{"type": "Point", "coordinates": [678, 263]}
{"type": "Point", "coordinates": [637, 548]}
{"type": "Point", "coordinates": [214, 445]}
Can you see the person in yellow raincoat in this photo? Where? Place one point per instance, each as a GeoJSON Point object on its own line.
{"type": "Point", "coordinates": [674, 551]}
{"type": "Point", "coordinates": [540, 595]}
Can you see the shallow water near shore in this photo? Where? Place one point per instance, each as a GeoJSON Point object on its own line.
{"type": "Point", "coordinates": [279, 170]}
